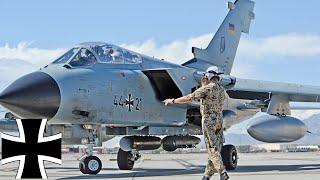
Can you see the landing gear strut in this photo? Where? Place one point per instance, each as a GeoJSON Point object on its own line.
{"type": "Point", "coordinates": [90, 164]}
{"type": "Point", "coordinates": [126, 159]}
{"type": "Point", "coordinates": [229, 157]}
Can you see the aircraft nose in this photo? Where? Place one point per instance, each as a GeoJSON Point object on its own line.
{"type": "Point", "coordinates": [33, 96]}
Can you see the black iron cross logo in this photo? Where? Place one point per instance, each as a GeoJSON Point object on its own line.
{"type": "Point", "coordinates": [31, 149]}
{"type": "Point", "coordinates": [129, 102]}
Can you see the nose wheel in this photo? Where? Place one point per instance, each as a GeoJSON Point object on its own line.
{"type": "Point", "coordinates": [90, 165]}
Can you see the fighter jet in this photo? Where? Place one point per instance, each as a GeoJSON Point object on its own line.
{"type": "Point", "coordinates": [98, 90]}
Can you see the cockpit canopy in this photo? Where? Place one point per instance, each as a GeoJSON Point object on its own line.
{"type": "Point", "coordinates": [83, 58]}
{"type": "Point", "coordinates": [91, 53]}
{"type": "Point", "coordinates": [66, 57]}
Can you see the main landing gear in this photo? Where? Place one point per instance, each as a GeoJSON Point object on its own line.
{"type": "Point", "coordinates": [126, 159]}
{"type": "Point", "coordinates": [229, 157]}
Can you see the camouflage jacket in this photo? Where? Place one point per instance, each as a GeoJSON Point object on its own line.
{"type": "Point", "coordinates": [211, 98]}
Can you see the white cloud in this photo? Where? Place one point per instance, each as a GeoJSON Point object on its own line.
{"type": "Point", "coordinates": [292, 44]}
{"type": "Point", "coordinates": [24, 52]}
{"type": "Point", "coordinates": [21, 59]}
{"type": "Point", "coordinates": [249, 52]}
{"type": "Point", "coordinates": [178, 51]}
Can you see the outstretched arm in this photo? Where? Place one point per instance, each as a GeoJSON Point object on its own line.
{"type": "Point", "coordinates": [181, 100]}
{"type": "Point", "coordinates": [195, 96]}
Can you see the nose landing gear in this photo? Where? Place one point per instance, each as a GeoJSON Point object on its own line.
{"type": "Point", "coordinates": [89, 164]}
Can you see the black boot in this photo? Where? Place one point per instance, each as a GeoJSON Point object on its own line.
{"type": "Point", "coordinates": [224, 176]}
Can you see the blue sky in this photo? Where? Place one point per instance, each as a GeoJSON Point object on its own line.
{"type": "Point", "coordinates": [60, 23]}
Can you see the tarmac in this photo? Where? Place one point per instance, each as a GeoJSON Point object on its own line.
{"type": "Point", "coordinates": [255, 166]}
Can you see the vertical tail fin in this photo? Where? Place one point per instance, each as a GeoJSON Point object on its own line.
{"type": "Point", "coordinates": [222, 49]}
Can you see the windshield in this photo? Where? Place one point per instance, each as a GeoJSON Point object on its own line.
{"type": "Point", "coordinates": [113, 54]}
{"type": "Point", "coordinates": [83, 58]}
{"type": "Point", "coordinates": [64, 58]}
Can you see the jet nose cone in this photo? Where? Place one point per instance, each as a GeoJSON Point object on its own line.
{"type": "Point", "coordinates": [35, 95]}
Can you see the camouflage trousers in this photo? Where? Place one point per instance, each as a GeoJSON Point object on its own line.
{"type": "Point", "coordinates": [214, 141]}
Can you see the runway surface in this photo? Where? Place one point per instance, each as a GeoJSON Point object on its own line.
{"type": "Point", "coordinates": [260, 166]}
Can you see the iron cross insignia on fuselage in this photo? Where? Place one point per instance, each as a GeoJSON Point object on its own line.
{"type": "Point", "coordinates": [129, 102]}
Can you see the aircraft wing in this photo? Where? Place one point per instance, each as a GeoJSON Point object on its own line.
{"type": "Point", "coordinates": [277, 95]}
{"type": "Point", "coordinates": [262, 90]}
{"type": "Point", "coordinates": [304, 107]}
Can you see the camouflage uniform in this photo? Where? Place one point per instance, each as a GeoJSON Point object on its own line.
{"type": "Point", "coordinates": [211, 99]}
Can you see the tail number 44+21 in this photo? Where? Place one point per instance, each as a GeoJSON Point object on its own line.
{"type": "Point", "coordinates": [129, 102]}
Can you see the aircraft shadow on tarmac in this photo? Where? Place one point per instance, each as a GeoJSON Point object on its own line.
{"type": "Point", "coordinates": [265, 168]}
{"type": "Point", "coordinates": [144, 172]}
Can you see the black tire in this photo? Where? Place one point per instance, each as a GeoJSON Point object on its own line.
{"type": "Point", "coordinates": [90, 165]}
{"type": "Point", "coordinates": [124, 160]}
{"type": "Point", "coordinates": [229, 157]}
{"type": "Point", "coordinates": [82, 167]}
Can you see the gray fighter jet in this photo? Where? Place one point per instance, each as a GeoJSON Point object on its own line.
{"type": "Point", "coordinates": [98, 90]}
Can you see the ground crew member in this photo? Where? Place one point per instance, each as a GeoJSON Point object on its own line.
{"type": "Point", "coordinates": [211, 96]}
